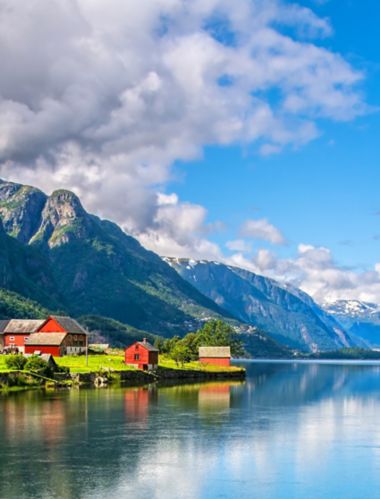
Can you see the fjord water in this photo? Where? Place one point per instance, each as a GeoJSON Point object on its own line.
{"type": "Point", "coordinates": [292, 430]}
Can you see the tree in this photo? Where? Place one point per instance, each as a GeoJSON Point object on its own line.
{"type": "Point", "coordinates": [191, 343]}
{"type": "Point", "coordinates": [218, 333]}
{"type": "Point", "coordinates": [169, 344]}
{"type": "Point", "coordinates": [180, 354]}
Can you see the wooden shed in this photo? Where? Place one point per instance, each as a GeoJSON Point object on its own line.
{"type": "Point", "coordinates": [217, 356]}
{"type": "Point", "coordinates": [142, 355]}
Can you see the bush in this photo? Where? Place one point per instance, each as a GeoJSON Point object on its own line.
{"type": "Point", "coordinates": [17, 361]}
{"type": "Point", "coordinates": [37, 365]}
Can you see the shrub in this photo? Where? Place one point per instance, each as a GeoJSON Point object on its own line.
{"type": "Point", "coordinates": [37, 365]}
{"type": "Point", "coordinates": [17, 361]}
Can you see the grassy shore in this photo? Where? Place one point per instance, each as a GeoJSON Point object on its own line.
{"type": "Point", "coordinates": [195, 366]}
{"type": "Point", "coordinates": [96, 363]}
{"type": "Point", "coordinates": [115, 362]}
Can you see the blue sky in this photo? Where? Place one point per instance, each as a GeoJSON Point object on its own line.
{"type": "Point", "coordinates": [244, 131]}
{"type": "Point", "coordinates": [325, 193]}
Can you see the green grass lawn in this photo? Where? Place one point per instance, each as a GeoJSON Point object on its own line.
{"type": "Point", "coordinates": [3, 367]}
{"type": "Point", "coordinates": [77, 364]}
{"type": "Point", "coordinates": [197, 366]}
{"type": "Point", "coordinates": [115, 362]}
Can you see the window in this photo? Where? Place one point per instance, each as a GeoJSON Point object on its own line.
{"type": "Point", "coordinates": [11, 338]}
{"type": "Point", "coordinates": [137, 356]}
{"type": "Point", "coordinates": [26, 338]}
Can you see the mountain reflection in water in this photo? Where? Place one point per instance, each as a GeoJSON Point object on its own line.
{"type": "Point", "coordinates": [292, 430]}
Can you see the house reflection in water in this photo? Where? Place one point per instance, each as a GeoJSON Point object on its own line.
{"type": "Point", "coordinates": [44, 422]}
{"type": "Point", "coordinates": [212, 396]}
{"type": "Point", "coordinates": [136, 403]}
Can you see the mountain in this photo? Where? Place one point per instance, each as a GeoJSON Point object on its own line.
{"type": "Point", "coordinates": [55, 256]}
{"type": "Point", "coordinates": [54, 252]}
{"type": "Point", "coordinates": [19, 307]}
{"type": "Point", "coordinates": [360, 319]}
{"type": "Point", "coordinates": [287, 314]}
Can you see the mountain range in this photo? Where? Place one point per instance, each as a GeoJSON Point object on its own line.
{"type": "Point", "coordinates": [54, 252]}
{"type": "Point", "coordinates": [360, 319]}
{"type": "Point", "coordinates": [55, 256]}
{"type": "Point", "coordinates": [289, 315]}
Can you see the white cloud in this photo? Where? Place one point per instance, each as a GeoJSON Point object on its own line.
{"type": "Point", "coordinates": [262, 229]}
{"type": "Point", "coordinates": [314, 270]}
{"type": "Point", "coordinates": [239, 245]}
{"type": "Point", "coordinates": [178, 230]}
{"type": "Point", "coordinates": [102, 97]}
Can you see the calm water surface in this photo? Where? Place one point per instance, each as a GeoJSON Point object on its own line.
{"type": "Point", "coordinates": [291, 430]}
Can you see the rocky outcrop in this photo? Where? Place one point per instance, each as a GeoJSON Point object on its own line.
{"type": "Point", "coordinates": [63, 219]}
{"type": "Point", "coordinates": [20, 209]}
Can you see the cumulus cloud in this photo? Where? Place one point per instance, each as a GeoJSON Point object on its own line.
{"type": "Point", "coordinates": [262, 229]}
{"type": "Point", "coordinates": [314, 270]}
{"type": "Point", "coordinates": [178, 229]}
{"type": "Point", "coordinates": [102, 97]}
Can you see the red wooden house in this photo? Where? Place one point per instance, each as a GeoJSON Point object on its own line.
{"type": "Point", "coordinates": [15, 333]}
{"type": "Point", "coordinates": [58, 336]}
{"type": "Point", "coordinates": [217, 356]}
{"type": "Point", "coordinates": [142, 355]}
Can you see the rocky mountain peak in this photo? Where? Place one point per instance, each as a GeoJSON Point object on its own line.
{"type": "Point", "coordinates": [64, 206]}
{"type": "Point", "coordinates": [20, 209]}
{"type": "Point", "coordinates": [63, 219]}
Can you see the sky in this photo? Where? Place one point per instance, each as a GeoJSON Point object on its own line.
{"type": "Point", "coordinates": [244, 132]}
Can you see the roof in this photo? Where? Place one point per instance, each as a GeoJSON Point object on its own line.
{"type": "Point", "coordinates": [23, 326]}
{"type": "Point", "coordinates": [47, 357]}
{"type": "Point", "coordinates": [68, 324]}
{"type": "Point", "coordinates": [49, 339]}
{"type": "Point", "coordinates": [217, 352]}
{"type": "Point", "coordinates": [146, 345]}
{"type": "Point", "coordinates": [3, 325]}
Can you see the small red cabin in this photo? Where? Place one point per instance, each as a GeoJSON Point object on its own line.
{"type": "Point", "coordinates": [142, 354]}
{"type": "Point", "coordinates": [217, 356]}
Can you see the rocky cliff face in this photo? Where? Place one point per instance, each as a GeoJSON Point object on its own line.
{"type": "Point", "coordinates": [288, 315]}
{"type": "Point", "coordinates": [20, 209]}
{"type": "Point", "coordinates": [63, 219]}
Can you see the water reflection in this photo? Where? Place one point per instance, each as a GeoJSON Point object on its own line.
{"type": "Point", "coordinates": [290, 430]}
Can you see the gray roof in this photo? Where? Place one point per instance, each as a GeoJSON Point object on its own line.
{"type": "Point", "coordinates": [48, 339]}
{"type": "Point", "coordinates": [23, 326]}
{"type": "Point", "coordinates": [3, 325]}
{"type": "Point", "coordinates": [148, 346]}
{"type": "Point", "coordinates": [70, 325]}
{"type": "Point", "coordinates": [218, 352]}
